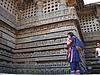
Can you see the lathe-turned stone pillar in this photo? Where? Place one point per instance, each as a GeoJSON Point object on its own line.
{"type": "Point", "coordinates": [39, 6]}
{"type": "Point", "coordinates": [62, 5]}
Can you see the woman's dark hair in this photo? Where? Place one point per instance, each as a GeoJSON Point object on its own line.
{"type": "Point", "coordinates": [70, 33]}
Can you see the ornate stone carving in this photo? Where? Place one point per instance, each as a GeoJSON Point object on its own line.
{"type": "Point", "coordinates": [42, 42]}
{"type": "Point", "coordinates": [51, 17]}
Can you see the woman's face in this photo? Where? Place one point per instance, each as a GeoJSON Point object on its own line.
{"type": "Point", "coordinates": [69, 36]}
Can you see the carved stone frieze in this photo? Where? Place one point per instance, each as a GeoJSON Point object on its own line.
{"type": "Point", "coordinates": [46, 27]}
{"type": "Point", "coordinates": [51, 17]}
{"type": "Point", "coordinates": [45, 36]}
{"type": "Point", "coordinates": [40, 53]}
{"type": "Point", "coordinates": [42, 43]}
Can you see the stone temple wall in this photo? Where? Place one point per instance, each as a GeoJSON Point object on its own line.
{"type": "Point", "coordinates": [7, 45]}
{"type": "Point", "coordinates": [34, 41]}
{"type": "Point", "coordinates": [44, 48]}
{"type": "Point", "coordinates": [8, 13]}
{"type": "Point", "coordinates": [39, 49]}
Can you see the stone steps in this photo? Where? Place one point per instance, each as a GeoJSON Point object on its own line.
{"type": "Point", "coordinates": [92, 62]}
{"type": "Point", "coordinates": [95, 71]}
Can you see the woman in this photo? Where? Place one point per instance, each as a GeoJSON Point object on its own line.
{"type": "Point", "coordinates": [98, 51]}
{"type": "Point", "coordinates": [73, 44]}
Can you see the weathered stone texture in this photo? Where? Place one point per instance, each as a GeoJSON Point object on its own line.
{"type": "Point", "coordinates": [33, 39]}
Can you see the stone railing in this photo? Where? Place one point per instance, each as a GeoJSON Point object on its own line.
{"type": "Point", "coordinates": [61, 15]}
{"type": "Point", "coordinates": [83, 62]}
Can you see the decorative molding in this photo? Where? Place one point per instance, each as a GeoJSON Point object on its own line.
{"type": "Point", "coordinates": [52, 17]}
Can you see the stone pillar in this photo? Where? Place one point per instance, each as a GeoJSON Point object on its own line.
{"type": "Point", "coordinates": [62, 5]}
{"type": "Point", "coordinates": [39, 6]}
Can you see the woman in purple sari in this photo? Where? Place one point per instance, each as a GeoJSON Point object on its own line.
{"type": "Point", "coordinates": [73, 44]}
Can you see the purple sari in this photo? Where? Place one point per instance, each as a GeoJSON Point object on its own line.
{"type": "Point", "coordinates": [73, 54]}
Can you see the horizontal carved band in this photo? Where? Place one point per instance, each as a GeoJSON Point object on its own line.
{"type": "Point", "coordinates": [42, 43]}
{"type": "Point", "coordinates": [7, 43]}
{"type": "Point", "coordinates": [5, 58]}
{"type": "Point", "coordinates": [7, 37]}
{"type": "Point", "coordinates": [40, 54]}
{"type": "Point", "coordinates": [6, 48]}
{"type": "Point", "coordinates": [53, 58]}
{"type": "Point", "coordinates": [45, 36]}
{"type": "Point", "coordinates": [52, 17]}
{"type": "Point", "coordinates": [46, 27]}
{"type": "Point", "coordinates": [5, 53]}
